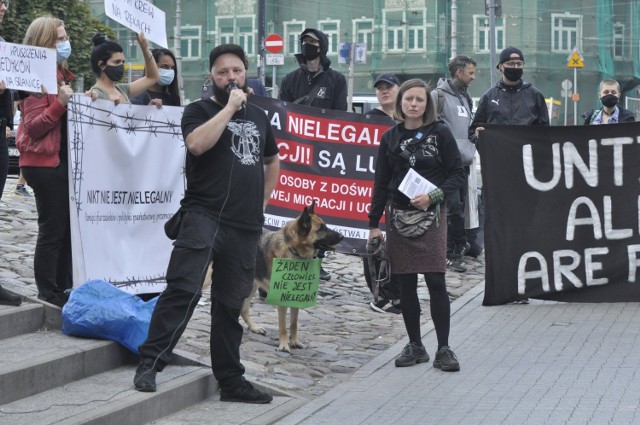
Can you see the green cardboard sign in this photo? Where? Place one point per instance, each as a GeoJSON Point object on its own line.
{"type": "Point", "coordinates": [294, 283]}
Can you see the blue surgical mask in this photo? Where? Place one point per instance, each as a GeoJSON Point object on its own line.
{"type": "Point", "coordinates": [166, 76]}
{"type": "Point", "coordinates": [63, 49]}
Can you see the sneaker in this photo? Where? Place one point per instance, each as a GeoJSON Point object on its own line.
{"type": "Point", "coordinates": [394, 309]}
{"type": "Point", "coordinates": [9, 298]}
{"type": "Point", "coordinates": [446, 360]}
{"type": "Point", "coordinates": [145, 379]}
{"type": "Point", "coordinates": [324, 275]}
{"type": "Point", "coordinates": [522, 301]}
{"type": "Point", "coordinates": [456, 264]}
{"type": "Point", "coordinates": [412, 354]}
{"type": "Point", "coordinates": [462, 249]}
{"type": "Point", "coordinates": [21, 190]}
{"type": "Point", "coordinates": [380, 305]}
{"type": "Point", "coordinates": [474, 252]}
{"type": "Point", "coordinates": [244, 392]}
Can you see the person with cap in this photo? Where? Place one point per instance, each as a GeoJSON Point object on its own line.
{"type": "Point", "coordinates": [512, 101]}
{"type": "Point", "coordinates": [315, 84]}
{"type": "Point", "coordinates": [386, 86]}
{"type": "Point", "coordinates": [217, 227]}
{"type": "Point", "coordinates": [454, 108]}
{"type": "Point", "coordinates": [611, 113]}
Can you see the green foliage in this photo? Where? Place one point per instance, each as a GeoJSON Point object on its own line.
{"type": "Point", "coordinates": [79, 23]}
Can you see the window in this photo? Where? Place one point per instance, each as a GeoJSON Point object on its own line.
{"type": "Point", "coordinates": [566, 32]}
{"type": "Point", "coordinates": [292, 31]}
{"type": "Point", "coordinates": [416, 21]}
{"type": "Point", "coordinates": [618, 40]}
{"type": "Point", "coordinates": [331, 28]}
{"type": "Point", "coordinates": [237, 30]}
{"type": "Point", "coordinates": [482, 31]}
{"type": "Point", "coordinates": [191, 37]}
{"type": "Point", "coordinates": [363, 28]}
{"type": "Point", "coordinates": [395, 32]}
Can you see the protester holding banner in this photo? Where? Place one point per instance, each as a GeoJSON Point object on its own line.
{"type": "Point", "coordinates": [6, 119]}
{"type": "Point", "coordinates": [454, 108]}
{"type": "Point", "coordinates": [609, 93]}
{"type": "Point", "coordinates": [107, 62]}
{"type": "Point", "coordinates": [231, 169]}
{"type": "Point", "coordinates": [422, 144]}
{"type": "Point", "coordinates": [166, 90]}
{"type": "Point", "coordinates": [315, 84]}
{"type": "Point", "coordinates": [43, 145]}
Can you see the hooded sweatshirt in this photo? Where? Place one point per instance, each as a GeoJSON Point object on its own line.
{"type": "Point", "coordinates": [330, 85]}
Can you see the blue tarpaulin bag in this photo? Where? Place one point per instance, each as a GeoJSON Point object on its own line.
{"type": "Point", "coordinates": [99, 310]}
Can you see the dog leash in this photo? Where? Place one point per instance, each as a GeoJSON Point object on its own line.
{"type": "Point", "coordinates": [376, 250]}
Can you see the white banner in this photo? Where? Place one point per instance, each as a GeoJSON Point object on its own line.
{"type": "Point", "coordinates": [28, 68]}
{"type": "Point", "coordinates": [139, 16]}
{"type": "Point", "coordinates": [126, 177]}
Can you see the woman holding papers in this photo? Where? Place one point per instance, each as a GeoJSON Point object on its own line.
{"type": "Point", "coordinates": [42, 141]}
{"type": "Point", "coordinates": [425, 146]}
{"type": "Point", "coordinates": [107, 62]}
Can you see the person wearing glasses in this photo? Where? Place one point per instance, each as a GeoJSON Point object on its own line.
{"type": "Point", "coordinates": [611, 113]}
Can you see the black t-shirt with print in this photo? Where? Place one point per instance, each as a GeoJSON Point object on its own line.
{"type": "Point", "coordinates": [227, 181]}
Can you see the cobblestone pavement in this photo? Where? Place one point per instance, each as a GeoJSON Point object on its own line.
{"type": "Point", "coordinates": [340, 334]}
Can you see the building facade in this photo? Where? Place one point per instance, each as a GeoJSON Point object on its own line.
{"type": "Point", "coordinates": [416, 38]}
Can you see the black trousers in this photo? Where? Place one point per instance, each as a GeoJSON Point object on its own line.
{"type": "Point", "coordinates": [52, 258]}
{"type": "Point", "coordinates": [200, 241]}
{"type": "Point", "coordinates": [4, 161]}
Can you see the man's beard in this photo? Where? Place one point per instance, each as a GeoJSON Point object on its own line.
{"type": "Point", "coordinates": [221, 95]}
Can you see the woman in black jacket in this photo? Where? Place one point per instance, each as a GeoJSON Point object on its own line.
{"type": "Point", "coordinates": [427, 146]}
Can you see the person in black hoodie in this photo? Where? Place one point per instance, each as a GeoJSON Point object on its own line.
{"type": "Point", "coordinates": [314, 83]}
{"type": "Point", "coordinates": [609, 93]}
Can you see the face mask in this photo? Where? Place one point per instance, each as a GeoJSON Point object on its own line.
{"type": "Point", "coordinates": [114, 73]}
{"type": "Point", "coordinates": [609, 100]}
{"type": "Point", "coordinates": [512, 74]}
{"type": "Point", "coordinates": [63, 50]}
{"type": "Point", "coordinates": [310, 52]}
{"type": "Point", "coordinates": [166, 76]}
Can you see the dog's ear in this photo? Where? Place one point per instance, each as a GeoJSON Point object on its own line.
{"type": "Point", "coordinates": [304, 222]}
{"type": "Point", "coordinates": [312, 207]}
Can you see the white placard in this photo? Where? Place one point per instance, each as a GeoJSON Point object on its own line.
{"type": "Point", "coordinates": [27, 68]}
{"type": "Point", "coordinates": [139, 16]}
{"type": "Point", "coordinates": [414, 184]}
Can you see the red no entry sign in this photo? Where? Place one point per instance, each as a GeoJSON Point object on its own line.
{"type": "Point", "coordinates": [274, 43]}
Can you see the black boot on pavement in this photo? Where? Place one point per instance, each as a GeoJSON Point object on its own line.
{"type": "Point", "coordinates": [9, 298]}
{"type": "Point", "coordinates": [324, 275]}
{"type": "Point", "coordinates": [145, 379]}
{"type": "Point", "coordinates": [243, 392]}
{"type": "Point", "coordinates": [446, 360]}
{"type": "Point", "coordinates": [412, 354]}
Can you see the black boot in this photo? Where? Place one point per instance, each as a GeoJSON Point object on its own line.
{"type": "Point", "coordinates": [9, 298]}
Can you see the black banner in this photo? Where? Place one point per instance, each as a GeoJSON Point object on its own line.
{"type": "Point", "coordinates": [562, 213]}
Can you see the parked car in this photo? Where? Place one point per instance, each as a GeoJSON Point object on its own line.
{"type": "Point", "coordinates": [14, 156]}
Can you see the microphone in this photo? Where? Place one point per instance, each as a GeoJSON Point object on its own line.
{"type": "Point", "coordinates": [234, 86]}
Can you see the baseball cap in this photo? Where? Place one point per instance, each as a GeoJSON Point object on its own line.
{"type": "Point", "coordinates": [222, 49]}
{"type": "Point", "coordinates": [505, 55]}
{"type": "Point", "coordinates": [309, 33]}
{"type": "Point", "coordinates": [387, 78]}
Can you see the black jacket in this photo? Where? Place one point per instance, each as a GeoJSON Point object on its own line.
{"type": "Point", "coordinates": [331, 85]}
{"type": "Point", "coordinates": [624, 116]}
{"type": "Point", "coordinates": [521, 104]}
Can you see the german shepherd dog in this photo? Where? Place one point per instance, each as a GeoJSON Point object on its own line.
{"type": "Point", "coordinates": [301, 238]}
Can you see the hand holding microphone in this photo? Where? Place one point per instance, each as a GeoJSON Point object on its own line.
{"type": "Point", "coordinates": [242, 95]}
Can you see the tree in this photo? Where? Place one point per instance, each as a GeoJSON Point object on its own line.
{"type": "Point", "coordinates": [79, 23]}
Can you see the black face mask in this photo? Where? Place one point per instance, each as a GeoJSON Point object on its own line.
{"type": "Point", "coordinates": [512, 74]}
{"type": "Point", "coordinates": [310, 52]}
{"type": "Point", "coordinates": [609, 100]}
{"type": "Point", "coordinates": [114, 73]}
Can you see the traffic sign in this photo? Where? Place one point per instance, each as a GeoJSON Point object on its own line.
{"type": "Point", "coordinates": [274, 59]}
{"type": "Point", "coordinates": [575, 60]}
{"type": "Point", "coordinates": [274, 43]}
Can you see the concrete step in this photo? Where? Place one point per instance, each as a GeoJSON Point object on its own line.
{"type": "Point", "coordinates": [109, 398]}
{"type": "Point", "coordinates": [38, 361]}
{"type": "Point", "coordinates": [29, 317]}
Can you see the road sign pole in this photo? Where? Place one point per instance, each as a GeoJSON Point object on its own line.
{"type": "Point", "coordinates": [575, 90]}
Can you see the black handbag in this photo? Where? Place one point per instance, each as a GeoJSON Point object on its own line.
{"type": "Point", "coordinates": [413, 223]}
